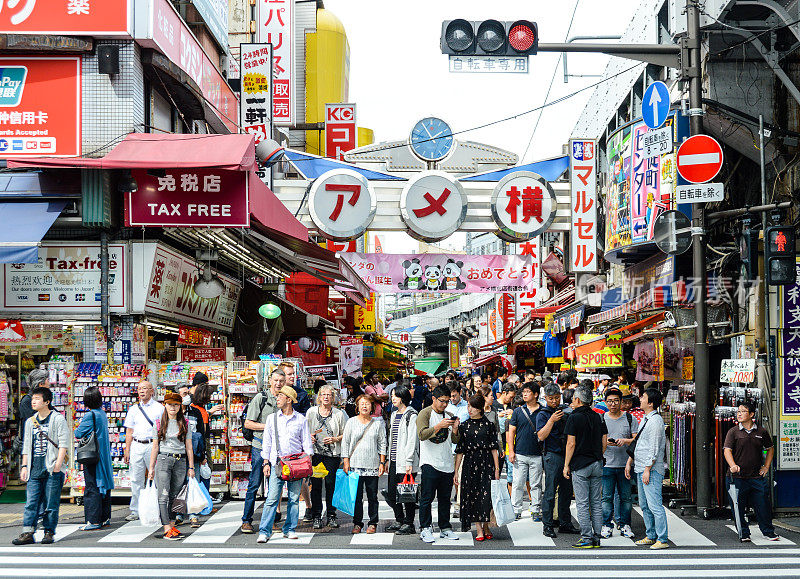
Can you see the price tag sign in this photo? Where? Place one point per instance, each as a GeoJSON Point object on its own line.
{"type": "Point", "coordinates": [740, 371]}
{"type": "Point", "coordinates": [657, 142]}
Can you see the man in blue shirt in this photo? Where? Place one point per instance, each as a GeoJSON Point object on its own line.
{"type": "Point", "coordinates": [550, 431]}
{"type": "Point", "coordinates": [498, 384]}
{"type": "Point", "coordinates": [525, 452]}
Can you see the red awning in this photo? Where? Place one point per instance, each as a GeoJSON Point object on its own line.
{"type": "Point", "coordinates": [271, 212]}
{"type": "Point", "coordinates": [643, 323]}
{"type": "Point", "coordinates": [486, 360]}
{"type": "Point", "coordinates": [494, 345]}
{"type": "Point", "coordinates": [161, 151]}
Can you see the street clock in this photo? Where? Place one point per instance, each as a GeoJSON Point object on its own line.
{"type": "Point", "coordinates": [431, 139]}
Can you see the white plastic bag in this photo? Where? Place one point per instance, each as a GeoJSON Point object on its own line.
{"type": "Point", "coordinates": [501, 503]}
{"type": "Point", "coordinates": [205, 471]}
{"type": "Point", "coordinates": [149, 515]}
{"type": "Point", "coordinates": [195, 499]}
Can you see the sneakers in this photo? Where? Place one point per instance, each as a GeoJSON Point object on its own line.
{"type": "Point", "coordinates": [247, 528]}
{"type": "Point", "coordinates": [426, 535]}
{"type": "Point", "coordinates": [24, 539]}
{"type": "Point", "coordinates": [179, 519]}
{"type": "Point", "coordinates": [91, 527]}
{"type": "Point", "coordinates": [644, 542]}
{"type": "Point", "coordinates": [585, 543]}
{"type": "Point", "coordinates": [309, 516]}
{"type": "Point", "coordinates": [332, 522]}
{"type": "Point", "coordinates": [659, 545]}
{"type": "Point", "coordinates": [317, 522]}
{"type": "Point", "coordinates": [132, 517]}
{"type": "Point", "coordinates": [448, 534]}
{"type": "Point", "coordinates": [406, 529]}
{"type": "Point", "coordinates": [194, 522]}
{"type": "Point", "coordinates": [393, 527]}
{"type": "Point", "coordinates": [626, 531]}
{"type": "Point", "coordinates": [262, 538]}
{"type": "Point", "coordinates": [745, 540]}
{"type": "Point", "coordinates": [606, 532]}
{"type": "Point", "coordinates": [537, 517]}
{"type": "Point", "coordinates": [549, 532]}
{"type": "Point", "coordinates": [173, 534]}
{"type": "Point", "coordinates": [49, 538]}
{"type": "Point", "coordinates": [290, 535]}
{"type": "Point", "coordinates": [517, 516]}
{"type": "Point", "coordinates": [772, 537]}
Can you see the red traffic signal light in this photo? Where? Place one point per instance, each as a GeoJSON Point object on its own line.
{"type": "Point", "coordinates": [489, 37]}
{"type": "Point", "coordinates": [779, 253]}
{"type": "Point", "coordinates": [523, 36]}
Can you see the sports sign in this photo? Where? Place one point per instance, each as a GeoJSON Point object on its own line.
{"type": "Point", "coordinates": [340, 129]}
{"type": "Point", "coordinates": [523, 206]}
{"type": "Point", "coordinates": [32, 122]}
{"type": "Point", "coordinates": [341, 204]}
{"type": "Point", "coordinates": [433, 206]}
{"type": "Point", "coordinates": [699, 159]}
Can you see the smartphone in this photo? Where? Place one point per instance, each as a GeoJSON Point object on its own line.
{"type": "Point", "coordinates": [612, 440]}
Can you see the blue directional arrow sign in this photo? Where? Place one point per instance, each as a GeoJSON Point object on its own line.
{"type": "Point", "coordinates": [655, 105]}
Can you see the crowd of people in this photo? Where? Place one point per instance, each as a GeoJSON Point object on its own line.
{"type": "Point", "coordinates": [449, 438]}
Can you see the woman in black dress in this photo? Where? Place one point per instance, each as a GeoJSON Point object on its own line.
{"type": "Point", "coordinates": [478, 449]}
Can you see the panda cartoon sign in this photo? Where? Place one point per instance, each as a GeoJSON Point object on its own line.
{"type": "Point", "coordinates": [442, 273]}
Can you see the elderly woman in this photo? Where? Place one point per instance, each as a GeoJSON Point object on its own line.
{"type": "Point", "coordinates": [364, 451]}
{"type": "Point", "coordinates": [326, 424]}
{"type": "Point", "coordinates": [478, 449]}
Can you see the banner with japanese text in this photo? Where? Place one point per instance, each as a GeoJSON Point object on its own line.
{"type": "Point", "coordinates": [789, 362]}
{"type": "Point", "coordinates": [275, 26]}
{"type": "Point", "coordinates": [583, 187]}
{"type": "Point", "coordinates": [445, 273]}
{"type": "Point", "coordinates": [256, 95]}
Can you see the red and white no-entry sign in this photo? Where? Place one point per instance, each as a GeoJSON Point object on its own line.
{"type": "Point", "coordinates": [699, 159]}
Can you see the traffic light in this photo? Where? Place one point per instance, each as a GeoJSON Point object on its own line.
{"type": "Point", "coordinates": [489, 37]}
{"type": "Point", "coordinates": [779, 255]}
{"type": "Point", "coordinates": [748, 253]}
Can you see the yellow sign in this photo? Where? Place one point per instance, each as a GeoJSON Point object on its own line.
{"type": "Point", "coordinates": [455, 354]}
{"type": "Point", "coordinates": [608, 357]}
{"type": "Point", "coordinates": [254, 82]}
{"type": "Point", "coordinates": [365, 317]}
{"type": "Point", "coordinates": [688, 368]}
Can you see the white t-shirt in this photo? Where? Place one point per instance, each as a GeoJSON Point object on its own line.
{"type": "Point", "coordinates": [439, 456]}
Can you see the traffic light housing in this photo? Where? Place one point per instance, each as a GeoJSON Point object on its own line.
{"type": "Point", "coordinates": [779, 255]}
{"type": "Point", "coordinates": [748, 253]}
{"type": "Point", "coordinates": [489, 37]}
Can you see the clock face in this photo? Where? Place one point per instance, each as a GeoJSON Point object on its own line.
{"type": "Point", "coordinates": [431, 139]}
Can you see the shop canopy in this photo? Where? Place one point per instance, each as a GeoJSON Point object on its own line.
{"type": "Point", "coordinates": [24, 226]}
{"type": "Point", "coordinates": [161, 151]}
{"type": "Point", "coordinates": [549, 169]}
{"type": "Point", "coordinates": [312, 166]}
{"type": "Point", "coordinates": [428, 365]}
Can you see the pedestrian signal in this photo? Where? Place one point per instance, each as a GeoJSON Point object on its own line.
{"type": "Point", "coordinates": [779, 252]}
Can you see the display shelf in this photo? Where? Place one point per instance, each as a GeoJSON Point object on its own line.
{"type": "Point", "coordinates": [244, 379]}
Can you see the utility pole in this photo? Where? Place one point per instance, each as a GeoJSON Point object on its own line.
{"type": "Point", "coordinates": [701, 358]}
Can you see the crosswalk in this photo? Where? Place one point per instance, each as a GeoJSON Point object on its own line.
{"type": "Point", "coordinates": [222, 528]}
{"type": "Point", "coordinates": [172, 561]}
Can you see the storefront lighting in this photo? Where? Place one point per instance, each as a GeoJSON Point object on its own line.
{"type": "Point", "coordinates": [127, 184]}
{"type": "Point", "coordinates": [269, 311]}
{"type": "Point", "coordinates": [208, 285]}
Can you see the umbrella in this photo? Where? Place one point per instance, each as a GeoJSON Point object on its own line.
{"type": "Point", "coordinates": [734, 494]}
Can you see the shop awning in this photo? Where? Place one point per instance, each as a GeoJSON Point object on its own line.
{"type": "Point", "coordinates": [312, 166]}
{"type": "Point", "coordinates": [162, 151]}
{"type": "Point", "coordinates": [643, 323]}
{"type": "Point", "coordinates": [486, 360]}
{"type": "Point", "coordinates": [661, 296]}
{"type": "Point", "coordinates": [428, 365]}
{"type": "Point", "coordinates": [550, 169]}
{"type": "Point", "coordinates": [493, 345]}
{"type": "Point", "coordinates": [24, 226]}
{"type": "Point", "coordinates": [271, 212]}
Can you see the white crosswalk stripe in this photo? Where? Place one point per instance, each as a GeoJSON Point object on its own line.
{"type": "Point", "coordinates": [132, 532]}
{"type": "Point", "coordinates": [61, 532]}
{"type": "Point", "coordinates": [220, 526]}
{"type": "Point", "coordinates": [761, 540]}
{"type": "Point", "coordinates": [374, 539]}
{"type": "Point", "coordinates": [681, 533]}
{"type": "Point", "coordinates": [526, 533]}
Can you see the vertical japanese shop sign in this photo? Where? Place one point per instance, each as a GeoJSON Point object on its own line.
{"type": "Point", "coordinates": [256, 96]}
{"type": "Point", "coordinates": [529, 300]}
{"type": "Point", "coordinates": [276, 27]}
{"type": "Point", "coordinates": [32, 122]}
{"type": "Point", "coordinates": [790, 366]}
{"type": "Point", "coordinates": [365, 317]}
{"type": "Point", "coordinates": [340, 129]}
{"type": "Point", "coordinates": [455, 354]}
{"type": "Point", "coordinates": [583, 188]}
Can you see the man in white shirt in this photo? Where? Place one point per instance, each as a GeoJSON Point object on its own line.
{"type": "Point", "coordinates": [290, 437]}
{"type": "Point", "coordinates": [140, 430]}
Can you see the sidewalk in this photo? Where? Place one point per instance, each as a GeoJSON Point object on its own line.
{"type": "Point", "coordinates": [11, 514]}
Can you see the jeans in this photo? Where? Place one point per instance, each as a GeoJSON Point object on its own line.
{"type": "Point", "coordinates": [435, 483]}
{"type": "Point", "coordinates": [754, 492]}
{"type": "Point", "coordinates": [614, 480]}
{"type": "Point", "coordinates": [253, 483]}
{"type": "Point", "coordinates": [275, 488]}
{"type": "Point", "coordinates": [509, 471]}
{"type": "Point", "coordinates": [653, 512]}
{"type": "Point", "coordinates": [370, 484]}
{"type": "Point", "coordinates": [96, 505]}
{"type": "Point", "coordinates": [554, 478]}
{"type": "Point", "coordinates": [45, 489]}
{"type": "Point", "coordinates": [527, 469]}
{"type": "Point", "coordinates": [332, 465]}
{"type": "Point", "coordinates": [588, 485]}
{"type": "Point", "coordinates": [140, 460]}
{"type": "Point", "coordinates": [403, 512]}
{"type": "Point", "coordinates": [170, 476]}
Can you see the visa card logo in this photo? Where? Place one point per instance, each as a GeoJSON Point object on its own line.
{"type": "Point", "coordinates": [12, 82]}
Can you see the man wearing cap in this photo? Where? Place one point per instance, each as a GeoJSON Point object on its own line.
{"type": "Point", "coordinates": [622, 428]}
{"type": "Point", "coordinates": [140, 430]}
{"type": "Point", "coordinates": [288, 430]}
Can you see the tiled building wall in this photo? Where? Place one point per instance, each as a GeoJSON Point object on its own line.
{"type": "Point", "coordinates": [113, 105]}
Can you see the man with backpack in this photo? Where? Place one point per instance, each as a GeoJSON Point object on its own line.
{"type": "Point", "coordinates": [255, 417]}
{"type": "Point", "coordinates": [622, 428]}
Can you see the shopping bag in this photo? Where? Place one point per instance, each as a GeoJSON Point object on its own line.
{"type": "Point", "coordinates": [209, 502]}
{"type": "Point", "coordinates": [149, 515]}
{"type": "Point", "coordinates": [179, 506]}
{"type": "Point", "coordinates": [195, 499]}
{"type": "Point", "coordinates": [344, 494]}
{"type": "Point", "coordinates": [320, 471]}
{"type": "Point", "coordinates": [407, 490]}
{"type": "Point", "coordinates": [501, 503]}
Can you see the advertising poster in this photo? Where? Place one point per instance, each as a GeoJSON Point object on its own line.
{"type": "Point", "coordinates": [789, 445]}
{"type": "Point", "coordinates": [327, 372]}
{"type": "Point", "coordinates": [789, 361]}
{"type": "Point", "coordinates": [256, 95]}
{"type": "Point", "coordinates": [351, 355]}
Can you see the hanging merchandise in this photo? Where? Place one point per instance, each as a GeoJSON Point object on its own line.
{"type": "Point", "coordinates": [6, 433]}
{"type": "Point", "coordinates": [118, 386]}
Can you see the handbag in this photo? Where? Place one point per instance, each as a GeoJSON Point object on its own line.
{"type": "Point", "coordinates": [293, 466]}
{"type": "Point", "coordinates": [631, 450]}
{"type": "Point", "coordinates": [408, 490]}
{"type": "Point", "coordinates": [87, 452]}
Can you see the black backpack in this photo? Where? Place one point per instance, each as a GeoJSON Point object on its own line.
{"type": "Point", "coordinates": [247, 433]}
